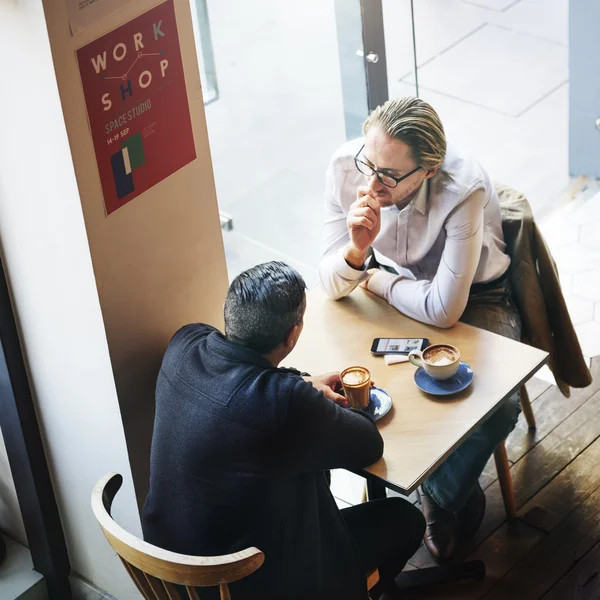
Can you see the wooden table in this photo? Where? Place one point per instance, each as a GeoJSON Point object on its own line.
{"type": "Point", "coordinates": [420, 431]}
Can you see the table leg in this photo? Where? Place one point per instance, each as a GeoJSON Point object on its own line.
{"type": "Point", "coordinates": [375, 490]}
{"type": "Point", "coordinates": [505, 480]}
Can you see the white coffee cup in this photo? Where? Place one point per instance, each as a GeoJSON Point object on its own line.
{"type": "Point", "coordinates": [440, 361]}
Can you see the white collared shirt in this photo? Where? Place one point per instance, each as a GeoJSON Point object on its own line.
{"type": "Point", "coordinates": [447, 238]}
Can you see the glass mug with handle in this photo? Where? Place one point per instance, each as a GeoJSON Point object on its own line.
{"type": "Point", "coordinates": [440, 361]}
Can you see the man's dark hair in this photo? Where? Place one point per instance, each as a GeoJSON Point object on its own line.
{"type": "Point", "coordinates": [263, 304]}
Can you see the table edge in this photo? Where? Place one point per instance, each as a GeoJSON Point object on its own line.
{"type": "Point", "coordinates": [419, 480]}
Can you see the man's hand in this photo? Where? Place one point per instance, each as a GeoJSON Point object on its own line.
{"type": "Point", "coordinates": [376, 281]}
{"type": "Point", "coordinates": [328, 384]}
{"type": "Point", "coordinates": [364, 224]}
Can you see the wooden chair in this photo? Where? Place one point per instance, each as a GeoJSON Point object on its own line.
{"type": "Point", "coordinates": [502, 464]}
{"type": "Point", "coordinates": [156, 572]}
{"type": "Point", "coordinates": [511, 224]}
{"type": "Point", "coordinates": [372, 579]}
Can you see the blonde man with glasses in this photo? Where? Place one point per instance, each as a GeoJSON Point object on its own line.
{"type": "Point", "coordinates": [418, 223]}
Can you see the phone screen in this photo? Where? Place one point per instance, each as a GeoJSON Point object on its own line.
{"type": "Point", "coordinates": [398, 345]}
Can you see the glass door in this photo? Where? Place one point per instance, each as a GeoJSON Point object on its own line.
{"type": "Point", "coordinates": [497, 72]}
{"type": "Point", "coordinates": [362, 55]}
{"type": "Point", "coordinates": [285, 84]}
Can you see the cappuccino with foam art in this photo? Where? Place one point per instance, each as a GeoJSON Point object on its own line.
{"type": "Point", "coordinates": [440, 361]}
{"type": "Point", "coordinates": [356, 382]}
{"type": "Point", "coordinates": [355, 376]}
{"type": "Point", "coordinates": [440, 355]}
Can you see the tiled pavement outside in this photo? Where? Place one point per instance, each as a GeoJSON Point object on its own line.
{"type": "Point", "coordinates": [496, 71]}
{"type": "Point", "coordinates": [573, 234]}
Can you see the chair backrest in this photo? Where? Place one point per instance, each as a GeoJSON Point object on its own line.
{"type": "Point", "coordinates": [157, 572]}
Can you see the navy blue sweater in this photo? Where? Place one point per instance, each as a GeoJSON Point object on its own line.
{"type": "Point", "coordinates": [238, 454]}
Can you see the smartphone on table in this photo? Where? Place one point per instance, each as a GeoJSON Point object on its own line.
{"type": "Point", "coordinates": [383, 346]}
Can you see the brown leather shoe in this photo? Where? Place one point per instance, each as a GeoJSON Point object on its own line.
{"type": "Point", "coordinates": [440, 535]}
{"type": "Point", "coordinates": [471, 515]}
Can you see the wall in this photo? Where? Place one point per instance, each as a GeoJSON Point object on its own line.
{"type": "Point", "coordinates": [94, 324]}
{"type": "Point", "coordinates": [50, 274]}
{"type": "Point", "coordinates": [10, 515]}
{"type": "Point", "coordinates": [158, 260]}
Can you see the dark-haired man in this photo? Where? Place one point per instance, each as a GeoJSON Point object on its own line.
{"type": "Point", "coordinates": [240, 446]}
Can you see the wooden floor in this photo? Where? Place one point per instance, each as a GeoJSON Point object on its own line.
{"type": "Point", "coordinates": [552, 549]}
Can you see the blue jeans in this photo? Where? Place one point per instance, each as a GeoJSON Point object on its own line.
{"type": "Point", "coordinates": [489, 307]}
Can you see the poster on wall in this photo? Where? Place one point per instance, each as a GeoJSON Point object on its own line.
{"type": "Point", "coordinates": [137, 105]}
{"type": "Point", "coordinates": [83, 13]}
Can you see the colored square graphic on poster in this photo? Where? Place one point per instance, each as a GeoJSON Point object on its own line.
{"type": "Point", "coordinates": [137, 105]}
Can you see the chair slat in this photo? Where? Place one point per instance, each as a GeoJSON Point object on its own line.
{"type": "Point", "coordinates": [172, 591]}
{"type": "Point", "coordinates": [372, 578]}
{"type": "Point", "coordinates": [157, 587]}
{"type": "Point", "coordinates": [128, 568]}
{"type": "Point", "coordinates": [224, 589]}
{"type": "Point", "coordinates": [140, 580]}
{"type": "Point", "coordinates": [126, 565]}
{"type": "Point", "coordinates": [192, 593]}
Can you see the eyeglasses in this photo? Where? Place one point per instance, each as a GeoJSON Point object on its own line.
{"type": "Point", "coordinates": [383, 178]}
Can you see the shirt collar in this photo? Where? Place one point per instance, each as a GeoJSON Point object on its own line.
{"type": "Point", "coordinates": [420, 199]}
{"type": "Point", "coordinates": [217, 342]}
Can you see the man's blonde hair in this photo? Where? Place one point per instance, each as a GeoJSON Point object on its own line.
{"type": "Point", "coordinates": [415, 123]}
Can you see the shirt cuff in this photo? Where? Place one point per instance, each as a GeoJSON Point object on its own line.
{"type": "Point", "coordinates": [348, 273]}
{"type": "Point", "coordinates": [381, 283]}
